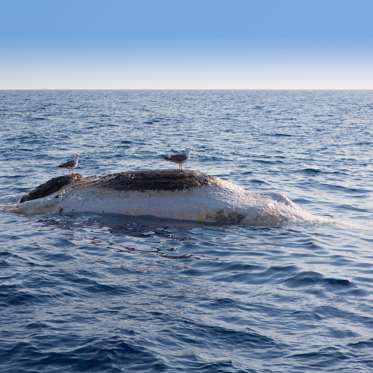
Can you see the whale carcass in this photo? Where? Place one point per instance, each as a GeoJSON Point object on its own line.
{"type": "Point", "coordinates": [170, 194]}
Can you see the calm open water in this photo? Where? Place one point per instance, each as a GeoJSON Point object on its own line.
{"type": "Point", "coordinates": [107, 294]}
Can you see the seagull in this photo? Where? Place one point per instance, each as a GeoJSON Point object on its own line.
{"type": "Point", "coordinates": [70, 165]}
{"type": "Point", "coordinates": [178, 157]}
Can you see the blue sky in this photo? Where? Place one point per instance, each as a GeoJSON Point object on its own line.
{"type": "Point", "coordinates": [228, 44]}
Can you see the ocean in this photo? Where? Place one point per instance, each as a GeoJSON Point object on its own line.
{"type": "Point", "coordinates": [91, 293]}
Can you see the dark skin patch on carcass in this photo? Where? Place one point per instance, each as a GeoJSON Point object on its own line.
{"type": "Point", "coordinates": [155, 180]}
{"type": "Point", "coordinates": [150, 180]}
{"type": "Point", "coordinates": [51, 186]}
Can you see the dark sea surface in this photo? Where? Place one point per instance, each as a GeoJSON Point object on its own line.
{"type": "Point", "coordinates": [91, 293]}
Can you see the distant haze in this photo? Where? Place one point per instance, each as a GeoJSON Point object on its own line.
{"type": "Point", "coordinates": [186, 44]}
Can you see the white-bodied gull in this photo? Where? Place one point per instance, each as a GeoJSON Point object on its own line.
{"type": "Point", "coordinates": [177, 157]}
{"type": "Point", "coordinates": [70, 165]}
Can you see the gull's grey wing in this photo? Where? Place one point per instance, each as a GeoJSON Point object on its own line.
{"type": "Point", "coordinates": [178, 157]}
{"type": "Point", "coordinates": [67, 164]}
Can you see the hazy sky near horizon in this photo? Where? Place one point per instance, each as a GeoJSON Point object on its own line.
{"type": "Point", "coordinates": [186, 44]}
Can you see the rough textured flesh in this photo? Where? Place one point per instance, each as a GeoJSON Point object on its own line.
{"type": "Point", "coordinates": [151, 180]}
{"type": "Point", "coordinates": [156, 180]}
{"type": "Point", "coordinates": [51, 186]}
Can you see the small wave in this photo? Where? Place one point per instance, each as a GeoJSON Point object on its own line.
{"type": "Point", "coordinates": [82, 354]}
{"type": "Point", "coordinates": [258, 181]}
{"type": "Point", "coordinates": [94, 286]}
{"type": "Point", "coordinates": [246, 337]}
{"type": "Point", "coordinates": [366, 344]}
{"type": "Point", "coordinates": [343, 188]}
{"type": "Point", "coordinates": [280, 134]}
{"type": "Point", "coordinates": [311, 171]}
{"type": "Point", "coordinates": [152, 121]}
{"type": "Point", "coordinates": [36, 119]}
{"type": "Point", "coordinates": [352, 208]}
{"type": "Point", "coordinates": [11, 295]}
{"type": "Point", "coordinates": [309, 278]}
{"type": "Point", "coordinates": [267, 161]}
{"type": "Point", "coordinates": [252, 275]}
{"type": "Point", "coordinates": [219, 366]}
{"type": "Point", "coordinates": [302, 200]}
{"type": "Point", "coordinates": [321, 358]}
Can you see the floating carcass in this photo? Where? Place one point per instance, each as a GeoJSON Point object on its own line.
{"type": "Point", "coordinates": [170, 194]}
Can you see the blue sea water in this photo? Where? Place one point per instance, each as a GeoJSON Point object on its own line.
{"type": "Point", "coordinates": [91, 293]}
